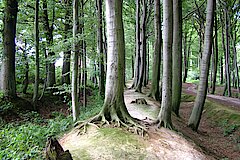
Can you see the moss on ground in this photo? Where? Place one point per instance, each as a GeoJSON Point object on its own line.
{"type": "Point", "coordinates": [221, 113]}
{"type": "Point", "coordinates": [223, 116]}
{"type": "Point", "coordinates": [227, 118]}
{"type": "Point", "coordinates": [106, 143]}
{"type": "Point", "coordinates": [187, 98]}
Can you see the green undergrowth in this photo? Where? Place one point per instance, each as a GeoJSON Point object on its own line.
{"type": "Point", "coordinates": [26, 139]}
{"type": "Point", "coordinates": [226, 118]}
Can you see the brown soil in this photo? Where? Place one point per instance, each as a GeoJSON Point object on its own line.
{"type": "Point", "coordinates": [210, 137]}
{"type": "Point", "coordinates": [183, 143]}
{"type": "Point", "coordinates": [233, 103]}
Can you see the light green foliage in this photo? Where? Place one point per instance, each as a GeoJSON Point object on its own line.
{"type": "Point", "coordinates": [228, 129]}
{"type": "Point", "coordinates": [6, 106]}
{"type": "Point", "coordinates": [227, 119]}
{"type": "Point", "coordinates": [1, 95]}
{"type": "Point", "coordinates": [26, 139]}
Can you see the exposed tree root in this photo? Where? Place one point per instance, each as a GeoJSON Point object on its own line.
{"type": "Point", "coordinates": [100, 120]}
{"type": "Point", "coordinates": [162, 123]}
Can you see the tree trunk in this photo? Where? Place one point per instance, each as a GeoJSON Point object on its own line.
{"type": "Point", "coordinates": [221, 70]}
{"type": "Point", "coordinates": [154, 92]}
{"type": "Point", "coordinates": [137, 54]}
{"type": "Point", "coordinates": [84, 75]}
{"type": "Point", "coordinates": [49, 36]}
{"type": "Point", "coordinates": [227, 54]}
{"type": "Point", "coordinates": [185, 58]}
{"type": "Point", "coordinates": [177, 56]}
{"type": "Point", "coordinates": [67, 54]}
{"type": "Point", "coordinates": [224, 51]}
{"type": "Point", "coordinates": [36, 83]}
{"type": "Point", "coordinates": [164, 117]}
{"type": "Point", "coordinates": [235, 61]}
{"type": "Point", "coordinates": [216, 51]}
{"type": "Point", "coordinates": [100, 48]}
{"type": "Point", "coordinates": [114, 108]}
{"type": "Point", "coordinates": [8, 80]}
{"type": "Point", "coordinates": [132, 66]}
{"type": "Point", "coordinates": [195, 117]}
{"type": "Point", "coordinates": [75, 106]}
{"type": "Point", "coordinates": [26, 80]}
{"type": "Point", "coordinates": [142, 66]}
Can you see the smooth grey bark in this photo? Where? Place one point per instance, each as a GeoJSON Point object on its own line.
{"type": "Point", "coordinates": [114, 108]}
{"type": "Point", "coordinates": [142, 57]}
{"type": "Point", "coordinates": [138, 44]}
{"type": "Point", "coordinates": [177, 56]}
{"type": "Point", "coordinates": [154, 92]}
{"type": "Point", "coordinates": [164, 117]}
{"type": "Point", "coordinates": [84, 59]}
{"type": "Point", "coordinates": [132, 66]}
{"type": "Point", "coordinates": [36, 30]}
{"type": "Point", "coordinates": [227, 53]}
{"type": "Point", "coordinates": [195, 117]}
{"type": "Point", "coordinates": [186, 54]}
{"type": "Point", "coordinates": [67, 53]}
{"type": "Point", "coordinates": [8, 80]}
{"type": "Point", "coordinates": [224, 51]}
{"type": "Point", "coordinates": [75, 105]}
{"type": "Point", "coordinates": [215, 59]}
{"type": "Point", "coordinates": [185, 58]}
{"type": "Point", "coordinates": [100, 48]}
{"type": "Point", "coordinates": [81, 48]}
{"type": "Point", "coordinates": [235, 60]}
{"type": "Point", "coordinates": [49, 36]}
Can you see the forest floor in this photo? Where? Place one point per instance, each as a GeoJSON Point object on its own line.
{"type": "Point", "coordinates": [209, 142]}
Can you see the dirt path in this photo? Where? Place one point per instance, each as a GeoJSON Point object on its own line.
{"type": "Point", "coordinates": [233, 103]}
{"type": "Point", "coordinates": [114, 143]}
{"type": "Point", "coordinates": [166, 144]}
{"type": "Point", "coordinates": [210, 136]}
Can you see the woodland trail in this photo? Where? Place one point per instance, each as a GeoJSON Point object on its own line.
{"type": "Point", "coordinates": [162, 143]}
{"type": "Point", "coordinates": [165, 143]}
{"type": "Point", "coordinates": [233, 103]}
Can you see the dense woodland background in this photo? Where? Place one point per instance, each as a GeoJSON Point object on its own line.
{"type": "Point", "coordinates": [60, 59]}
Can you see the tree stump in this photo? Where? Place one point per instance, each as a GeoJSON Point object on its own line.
{"type": "Point", "coordinates": [140, 101]}
{"type": "Point", "coordinates": [54, 151]}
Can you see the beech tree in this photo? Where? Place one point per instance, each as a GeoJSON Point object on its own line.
{"type": "Point", "coordinates": [164, 117]}
{"type": "Point", "coordinates": [8, 80]}
{"type": "Point", "coordinates": [67, 53]}
{"type": "Point", "coordinates": [154, 92]}
{"type": "Point", "coordinates": [215, 49]}
{"type": "Point", "coordinates": [36, 84]}
{"type": "Point", "coordinates": [227, 52]}
{"type": "Point", "coordinates": [100, 47]}
{"type": "Point", "coordinates": [177, 56]}
{"type": "Point", "coordinates": [195, 117]}
{"type": "Point", "coordinates": [48, 29]}
{"type": "Point", "coordinates": [114, 108]}
{"type": "Point", "coordinates": [137, 46]}
{"type": "Point", "coordinates": [142, 65]}
{"type": "Point", "coordinates": [75, 107]}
